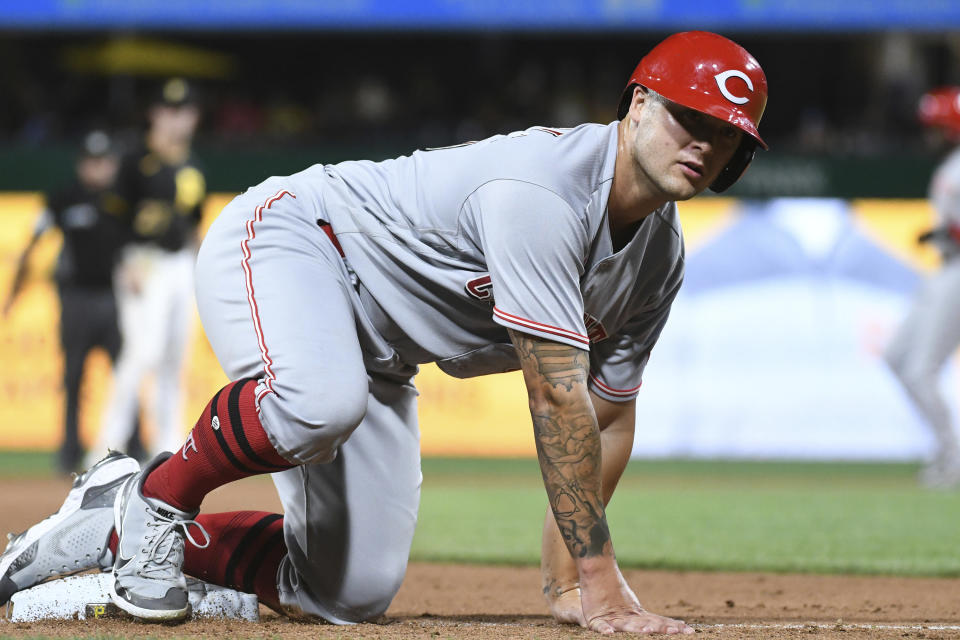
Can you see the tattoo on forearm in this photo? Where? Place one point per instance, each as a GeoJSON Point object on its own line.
{"type": "Point", "coordinates": [560, 365]}
{"type": "Point", "coordinates": [568, 445]}
{"type": "Point", "coordinates": [569, 451]}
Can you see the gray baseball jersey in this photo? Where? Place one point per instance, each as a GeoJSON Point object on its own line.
{"type": "Point", "coordinates": [441, 252]}
{"type": "Point", "coordinates": [452, 245]}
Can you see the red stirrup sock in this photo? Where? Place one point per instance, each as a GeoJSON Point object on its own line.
{"type": "Point", "coordinates": [245, 556]}
{"type": "Point", "coordinates": [226, 444]}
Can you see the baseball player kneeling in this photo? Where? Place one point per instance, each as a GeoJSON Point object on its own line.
{"type": "Point", "coordinates": [554, 251]}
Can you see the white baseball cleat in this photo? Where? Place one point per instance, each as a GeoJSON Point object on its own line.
{"type": "Point", "coordinates": [148, 581]}
{"type": "Point", "coordinates": [73, 539]}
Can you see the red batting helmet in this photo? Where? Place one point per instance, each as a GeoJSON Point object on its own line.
{"type": "Point", "coordinates": [941, 108]}
{"type": "Point", "coordinates": [711, 74]}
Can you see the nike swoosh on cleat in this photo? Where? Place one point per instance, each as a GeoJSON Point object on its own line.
{"type": "Point", "coordinates": [123, 562]}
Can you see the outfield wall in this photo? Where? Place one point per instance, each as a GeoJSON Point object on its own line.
{"type": "Point", "coordinates": [772, 349]}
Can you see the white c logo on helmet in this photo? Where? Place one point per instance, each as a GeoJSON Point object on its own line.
{"type": "Point", "coordinates": [722, 78]}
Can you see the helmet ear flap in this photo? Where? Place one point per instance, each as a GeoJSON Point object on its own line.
{"type": "Point", "coordinates": [741, 159]}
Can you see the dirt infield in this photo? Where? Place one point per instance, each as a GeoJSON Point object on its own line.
{"type": "Point", "coordinates": [457, 601]}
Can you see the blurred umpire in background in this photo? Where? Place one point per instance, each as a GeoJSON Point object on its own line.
{"type": "Point", "coordinates": [161, 191]}
{"type": "Point", "coordinates": [931, 331]}
{"type": "Point", "coordinates": [86, 212]}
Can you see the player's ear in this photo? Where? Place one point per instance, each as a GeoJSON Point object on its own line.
{"type": "Point", "coordinates": [641, 97]}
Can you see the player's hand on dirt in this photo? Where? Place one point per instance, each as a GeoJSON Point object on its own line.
{"type": "Point", "coordinates": [565, 606]}
{"type": "Point", "coordinates": [609, 606]}
{"type": "Point", "coordinates": [637, 621]}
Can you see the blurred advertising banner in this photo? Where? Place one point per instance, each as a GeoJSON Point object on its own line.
{"type": "Point", "coordinates": [772, 349]}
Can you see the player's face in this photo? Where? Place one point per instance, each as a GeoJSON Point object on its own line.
{"type": "Point", "coordinates": [97, 172]}
{"type": "Point", "coordinates": [175, 122]}
{"type": "Point", "coordinates": [678, 151]}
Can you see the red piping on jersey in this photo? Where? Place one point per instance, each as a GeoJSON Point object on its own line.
{"type": "Point", "coordinates": [551, 131]}
{"type": "Point", "coordinates": [254, 310]}
{"type": "Point", "coordinates": [612, 391]}
{"type": "Point", "coordinates": [546, 328]}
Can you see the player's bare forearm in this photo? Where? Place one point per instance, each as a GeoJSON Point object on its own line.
{"type": "Point", "coordinates": [568, 441]}
{"type": "Point", "coordinates": [568, 446]}
{"type": "Point", "coordinates": [21, 274]}
{"type": "Point", "coordinates": [560, 579]}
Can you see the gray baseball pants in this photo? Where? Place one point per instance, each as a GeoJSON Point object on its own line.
{"type": "Point", "coordinates": [929, 334]}
{"type": "Point", "coordinates": [279, 304]}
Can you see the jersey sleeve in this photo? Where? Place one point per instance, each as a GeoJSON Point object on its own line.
{"type": "Point", "coordinates": [617, 363]}
{"type": "Point", "coordinates": [535, 247]}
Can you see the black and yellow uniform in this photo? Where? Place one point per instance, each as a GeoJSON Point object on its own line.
{"type": "Point", "coordinates": [162, 202]}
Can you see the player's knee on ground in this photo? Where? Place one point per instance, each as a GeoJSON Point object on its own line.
{"type": "Point", "coordinates": [369, 596]}
{"type": "Point", "coordinates": [308, 427]}
{"type": "Point", "coordinates": [359, 596]}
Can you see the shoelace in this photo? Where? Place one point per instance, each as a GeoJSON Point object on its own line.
{"type": "Point", "coordinates": [163, 529]}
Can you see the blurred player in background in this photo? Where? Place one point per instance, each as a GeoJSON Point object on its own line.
{"type": "Point", "coordinates": [86, 213]}
{"type": "Point", "coordinates": [930, 333]}
{"type": "Point", "coordinates": [162, 191]}
{"type": "Point", "coordinates": [554, 251]}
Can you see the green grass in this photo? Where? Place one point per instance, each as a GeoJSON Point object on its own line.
{"type": "Point", "coordinates": [26, 463]}
{"type": "Point", "coordinates": [690, 515]}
